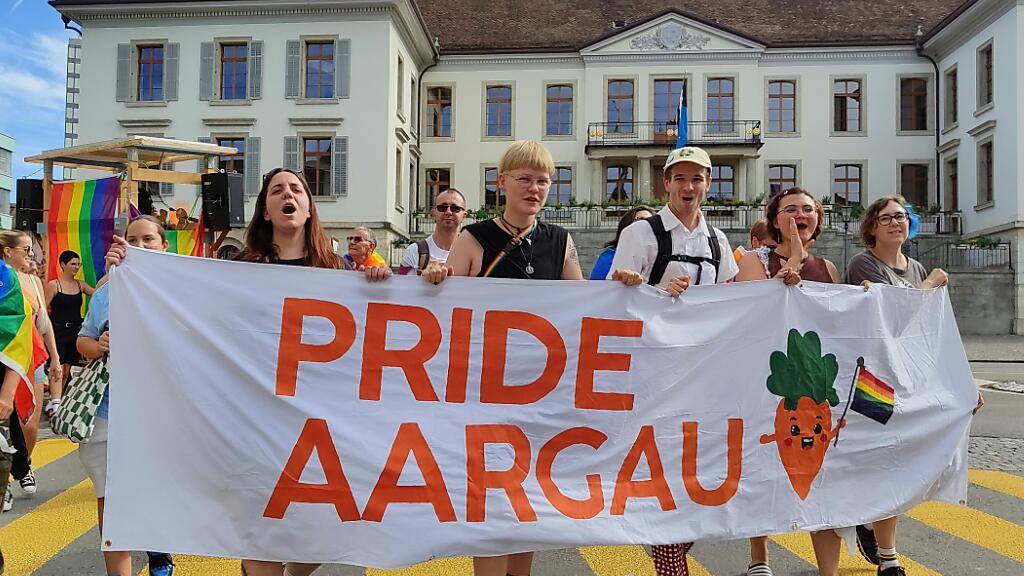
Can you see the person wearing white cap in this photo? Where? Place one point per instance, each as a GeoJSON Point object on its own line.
{"type": "Point", "coordinates": [676, 247]}
{"type": "Point", "coordinates": [672, 250]}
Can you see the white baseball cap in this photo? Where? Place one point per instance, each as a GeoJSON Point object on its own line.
{"type": "Point", "coordinates": [688, 154]}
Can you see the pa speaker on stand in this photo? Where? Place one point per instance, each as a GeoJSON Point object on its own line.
{"type": "Point", "coordinates": [223, 201]}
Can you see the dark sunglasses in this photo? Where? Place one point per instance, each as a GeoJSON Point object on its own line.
{"type": "Point", "coordinates": [454, 209]}
{"type": "Point", "coordinates": [356, 239]}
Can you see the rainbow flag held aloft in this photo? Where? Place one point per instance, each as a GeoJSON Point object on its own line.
{"type": "Point", "coordinates": [186, 242]}
{"type": "Point", "coordinates": [873, 398]}
{"type": "Point", "coordinates": [16, 348]}
{"type": "Point", "coordinates": [81, 219]}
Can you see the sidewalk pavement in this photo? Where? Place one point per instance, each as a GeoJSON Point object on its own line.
{"type": "Point", "coordinates": [994, 348]}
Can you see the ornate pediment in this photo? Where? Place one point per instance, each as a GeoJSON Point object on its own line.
{"type": "Point", "coordinates": [670, 36]}
{"type": "Point", "coordinates": [673, 36]}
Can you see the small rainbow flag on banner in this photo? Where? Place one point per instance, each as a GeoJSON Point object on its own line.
{"type": "Point", "coordinates": [16, 348]}
{"type": "Point", "coordinates": [81, 219]}
{"type": "Point", "coordinates": [186, 242]}
{"type": "Point", "coordinates": [873, 398]}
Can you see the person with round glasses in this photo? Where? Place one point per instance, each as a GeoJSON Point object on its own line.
{"type": "Point", "coordinates": [884, 229]}
{"type": "Point", "coordinates": [449, 212]}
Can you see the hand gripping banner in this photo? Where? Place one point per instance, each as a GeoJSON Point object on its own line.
{"type": "Point", "coordinates": [293, 414]}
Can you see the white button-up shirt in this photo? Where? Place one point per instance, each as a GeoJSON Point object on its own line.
{"type": "Point", "coordinates": [638, 249]}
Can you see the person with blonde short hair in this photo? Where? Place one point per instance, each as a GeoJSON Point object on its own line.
{"type": "Point", "coordinates": [514, 245]}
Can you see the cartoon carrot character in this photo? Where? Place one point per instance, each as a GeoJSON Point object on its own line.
{"type": "Point", "coordinates": [803, 419]}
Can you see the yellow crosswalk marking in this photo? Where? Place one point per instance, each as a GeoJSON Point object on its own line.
{"type": "Point", "coordinates": [202, 566]}
{"type": "Point", "coordinates": [999, 481]}
{"type": "Point", "coordinates": [50, 450]}
{"type": "Point", "coordinates": [30, 541]}
{"type": "Point", "coordinates": [627, 560]}
{"type": "Point", "coordinates": [800, 545]}
{"type": "Point", "coordinates": [446, 566]}
{"type": "Point", "coordinates": [985, 530]}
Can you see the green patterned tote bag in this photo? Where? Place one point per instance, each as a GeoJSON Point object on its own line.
{"type": "Point", "coordinates": [81, 400]}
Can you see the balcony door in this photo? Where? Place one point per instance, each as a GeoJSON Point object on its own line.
{"type": "Point", "coordinates": [666, 108]}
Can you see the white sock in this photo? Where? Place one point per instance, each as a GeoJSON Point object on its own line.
{"type": "Point", "coordinates": [887, 558]}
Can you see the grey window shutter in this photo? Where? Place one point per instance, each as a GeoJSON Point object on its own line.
{"type": "Point", "coordinates": [166, 189]}
{"type": "Point", "coordinates": [171, 71]}
{"type": "Point", "coordinates": [207, 58]}
{"type": "Point", "coordinates": [291, 152]}
{"type": "Point", "coordinates": [124, 71]}
{"type": "Point", "coordinates": [256, 70]}
{"type": "Point", "coordinates": [293, 69]}
{"type": "Point", "coordinates": [339, 166]}
{"type": "Point", "coordinates": [342, 67]}
{"type": "Point", "coordinates": [252, 166]}
{"type": "Point", "coordinates": [201, 163]}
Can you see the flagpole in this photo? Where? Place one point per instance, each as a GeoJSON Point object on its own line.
{"type": "Point", "coordinates": [853, 385]}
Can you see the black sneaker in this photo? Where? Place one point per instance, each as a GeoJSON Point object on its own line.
{"type": "Point", "coordinates": [892, 571]}
{"type": "Point", "coordinates": [867, 545]}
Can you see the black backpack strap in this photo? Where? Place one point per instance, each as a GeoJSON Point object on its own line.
{"type": "Point", "coordinates": [716, 249]}
{"type": "Point", "coordinates": [423, 249]}
{"type": "Point", "coordinates": [664, 238]}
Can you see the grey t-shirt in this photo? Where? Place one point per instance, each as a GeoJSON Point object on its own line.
{"type": "Point", "coordinates": [865, 266]}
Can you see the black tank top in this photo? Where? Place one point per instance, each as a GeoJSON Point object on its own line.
{"type": "Point", "coordinates": [66, 309]}
{"type": "Point", "coordinates": [543, 251]}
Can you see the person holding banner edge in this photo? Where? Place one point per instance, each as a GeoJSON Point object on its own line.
{"type": "Point", "coordinates": [884, 229]}
{"type": "Point", "coordinates": [666, 251]}
{"type": "Point", "coordinates": [93, 342]}
{"type": "Point", "coordinates": [514, 245]}
{"type": "Point", "coordinates": [285, 229]}
{"type": "Point", "coordinates": [800, 214]}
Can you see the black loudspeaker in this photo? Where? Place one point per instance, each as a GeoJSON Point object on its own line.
{"type": "Point", "coordinates": [29, 209]}
{"type": "Point", "coordinates": [223, 207]}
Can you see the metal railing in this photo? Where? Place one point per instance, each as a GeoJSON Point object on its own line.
{"type": "Point", "coordinates": [700, 133]}
{"type": "Point", "coordinates": [723, 216]}
{"type": "Point", "coordinates": [955, 256]}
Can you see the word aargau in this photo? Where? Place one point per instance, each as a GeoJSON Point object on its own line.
{"type": "Point", "coordinates": [283, 413]}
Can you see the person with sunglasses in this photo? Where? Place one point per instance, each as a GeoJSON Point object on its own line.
{"type": "Point", "coordinates": [448, 213]}
{"type": "Point", "coordinates": [362, 251]}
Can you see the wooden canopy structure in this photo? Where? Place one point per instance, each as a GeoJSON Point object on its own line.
{"type": "Point", "coordinates": [138, 157]}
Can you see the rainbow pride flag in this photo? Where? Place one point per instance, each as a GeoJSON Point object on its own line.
{"type": "Point", "coordinates": [873, 398]}
{"type": "Point", "coordinates": [16, 349]}
{"type": "Point", "coordinates": [186, 242]}
{"type": "Point", "coordinates": [81, 219]}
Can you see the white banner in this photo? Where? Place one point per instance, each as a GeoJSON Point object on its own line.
{"type": "Point", "coordinates": [285, 413]}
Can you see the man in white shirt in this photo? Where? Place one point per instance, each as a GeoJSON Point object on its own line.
{"type": "Point", "coordinates": [691, 252]}
{"type": "Point", "coordinates": [448, 213]}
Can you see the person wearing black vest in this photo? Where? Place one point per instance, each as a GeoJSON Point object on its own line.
{"type": "Point", "coordinates": [514, 245]}
{"type": "Point", "coordinates": [676, 247]}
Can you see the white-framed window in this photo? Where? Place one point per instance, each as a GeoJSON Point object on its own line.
{"type": "Point", "coordinates": [559, 109]}
{"type": "Point", "coordinates": [439, 111]}
{"type": "Point", "coordinates": [848, 99]}
{"type": "Point", "coordinates": [5, 161]}
{"type": "Point", "coordinates": [723, 182]}
{"type": "Point", "coordinates": [720, 104]}
{"type": "Point", "coordinates": [985, 78]}
{"type": "Point", "coordinates": [147, 72]}
{"type": "Point", "coordinates": [620, 185]}
{"type": "Point", "coordinates": [231, 70]}
{"type": "Point", "coordinates": [915, 182]}
{"type": "Point", "coordinates": [782, 175]}
{"type": "Point", "coordinates": [986, 173]}
{"type": "Point", "coordinates": [560, 192]}
{"type": "Point", "coordinates": [781, 106]}
{"type": "Point", "coordinates": [499, 110]}
{"type": "Point", "coordinates": [949, 87]}
{"type": "Point", "coordinates": [915, 102]}
{"type": "Point", "coordinates": [848, 178]}
{"type": "Point", "coordinates": [620, 108]}
{"type": "Point", "coordinates": [401, 88]}
{"type": "Point", "coordinates": [317, 69]}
